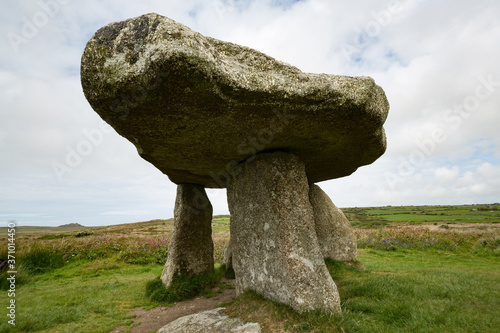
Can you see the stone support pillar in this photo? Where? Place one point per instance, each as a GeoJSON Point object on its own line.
{"type": "Point", "coordinates": [275, 251]}
{"type": "Point", "coordinates": [190, 250]}
{"type": "Point", "coordinates": [228, 257]}
{"type": "Point", "coordinates": [335, 234]}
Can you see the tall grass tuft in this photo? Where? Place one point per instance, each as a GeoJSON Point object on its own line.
{"type": "Point", "coordinates": [183, 287]}
{"type": "Point", "coordinates": [40, 260]}
{"type": "Point", "coordinates": [22, 277]}
{"type": "Point", "coordinates": [146, 250]}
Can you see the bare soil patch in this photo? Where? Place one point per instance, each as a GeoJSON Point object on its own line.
{"type": "Point", "coordinates": [154, 319]}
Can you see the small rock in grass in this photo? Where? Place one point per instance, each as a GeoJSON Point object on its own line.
{"type": "Point", "coordinates": [211, 321]}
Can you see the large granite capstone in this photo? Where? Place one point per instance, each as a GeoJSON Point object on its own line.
{"type": "Point", "coordinates": [195, 106]}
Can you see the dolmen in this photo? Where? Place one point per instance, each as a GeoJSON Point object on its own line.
{"type": "Point", "coordinates": [213, 114]}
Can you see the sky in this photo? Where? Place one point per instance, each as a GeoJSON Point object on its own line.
{"type": "Point", "coordinates": [437, 62]}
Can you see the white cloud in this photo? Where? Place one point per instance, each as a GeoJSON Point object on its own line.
{"type": "Point", "coordinates": [428, 56]}
{"type": "Point", "coordinates": [446, 175]}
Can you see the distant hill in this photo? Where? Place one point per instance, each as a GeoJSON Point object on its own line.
{"type": "Point", "coordinates": [41, 231]}
{"type": "Point", "coordinates": [360, 217]}
{"type": "Point", "coordinates": [71, 225]}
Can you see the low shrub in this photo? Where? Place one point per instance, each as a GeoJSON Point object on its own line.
{"type": "Point", "coordinates": [84, 233]}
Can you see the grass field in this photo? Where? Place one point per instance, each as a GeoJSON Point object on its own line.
{"type": "Point", "coordinates": [381, 216]}
{"type": "Point", "coordinates": [413, 275]}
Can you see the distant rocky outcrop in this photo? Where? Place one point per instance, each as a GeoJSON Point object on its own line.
{"type": "Point", "coordinates": [71, 225]}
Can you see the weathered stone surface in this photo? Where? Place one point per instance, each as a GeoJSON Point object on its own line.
{"type": "Point", "coordinates": [275, 249]}
{"type": "Point", "coordinates": [195, 106]}
{"type": "Point", "coordinates": [190, 249]}
{"type": "Point", "coordinates": [335, 235]}
{"type": "Point", "coordinates": [228, 256]}
{"type": "Point", "coordinates": [212, 321]}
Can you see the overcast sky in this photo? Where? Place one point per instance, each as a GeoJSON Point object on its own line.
{"type": "Point", "coordinates": [436, 60]}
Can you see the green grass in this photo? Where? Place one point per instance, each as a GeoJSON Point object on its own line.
{"type": "Point", "coordinates": [385, 292]}
{"type": "Point", "coordinates": [221, 220]}
{"type": "Point", "coordinates": [22, 277]}
{"type": "Point", "coordinates": [414, 293]}
{"type": "Point", "coordinates": [371, 217]}
{"type": "Point", "coordinates": [396, 292]}
{"type": "Point", "coordinates": [408, 279]}
{"type": "Point", "coordinates": [80, 297]}
{"type": "Point", "coordinates": [220, 223]}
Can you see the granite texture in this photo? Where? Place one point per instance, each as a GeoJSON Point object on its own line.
{"type": "Point", "coordinates": [195, 106]}
{"type": "Point", "coordinates": [190, 248]}
{"type": "Point", "coordinates": [275, 251]}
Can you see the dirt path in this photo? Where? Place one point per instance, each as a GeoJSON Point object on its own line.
{"type": "Point", "coordinates": [154, 319]}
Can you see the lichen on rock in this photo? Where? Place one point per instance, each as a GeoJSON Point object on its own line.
{"type": "Point", "coordinates": [195, 106]}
